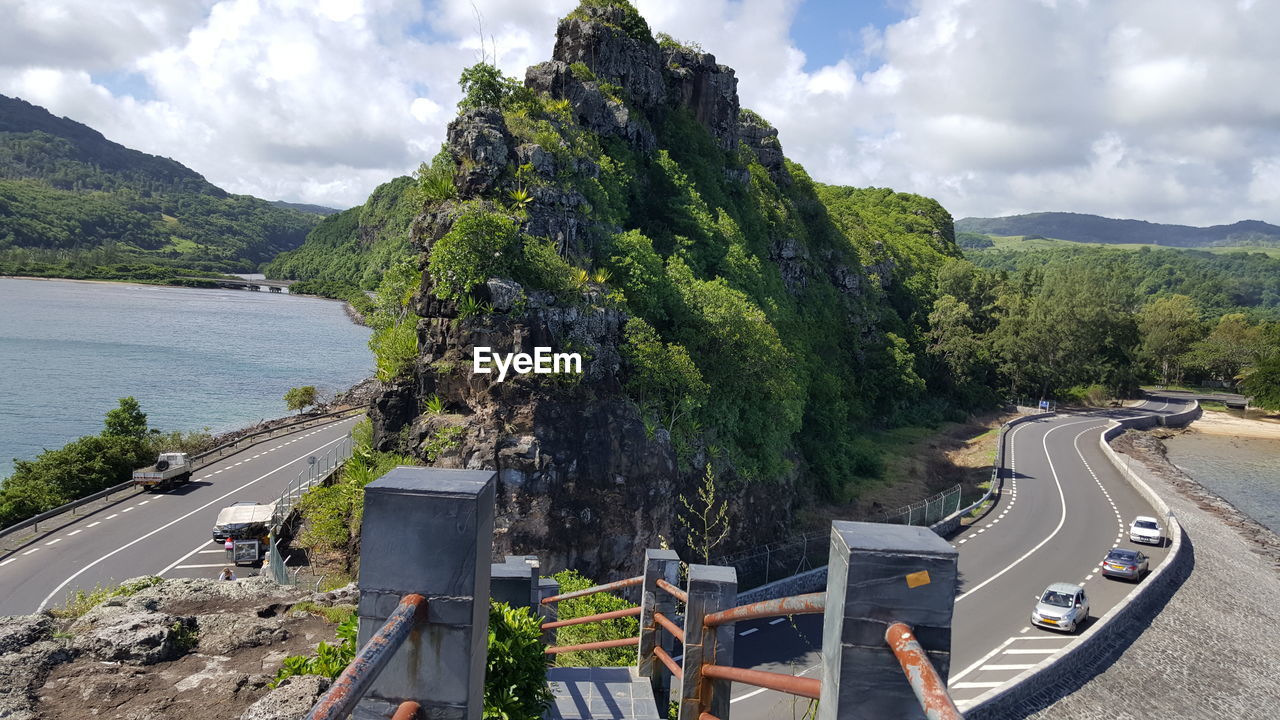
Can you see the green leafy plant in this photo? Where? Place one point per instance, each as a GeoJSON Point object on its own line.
{"type": "Point", "coordinates": [299, 398]}
{"type": "Point", "coordinates": [570, 581]}
{"type": "Point", "coordinates": [442, 441]}
{"type": "Point", "coordinates": [470, 307]}
{"type": "Point", "coordinates": [329, 660]}
{"type": "Point", "coordinates": [480, 245]}
{"type": "Point", "coordinates": [515, 680]}
{"type": "Point", "coordinates": [80, 602]}
{"type": "Point", "coordinates": [706, 518]}
{"type": "Point", "coordinates": [434, 405]}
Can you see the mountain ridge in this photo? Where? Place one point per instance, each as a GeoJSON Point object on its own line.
{"type": "Point", "coordinates": [1084, 227]}
{"type": "Point", "coordinates": [72, 199]}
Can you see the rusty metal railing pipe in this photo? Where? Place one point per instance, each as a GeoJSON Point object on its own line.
{"type": "Point", "coordinates": [607, 587]}
{"type": "Point", "coordinates": [407, 710]}
{"type": "Point", "coordinates": [668, 661]}
{"type": "Point", "coordinates": [676, 592]}
{"type": "Point", "coordinates": [356, 679]}
{"type": "Point", "coordinates": [676, 631]}
{"type": "Point", "coordinates": [601, 645]}
{"type": "Point", "coordinates": [810, 604]}
{"type": "Point", "coordinates": [928, 686]}
{"type": "Point", "coordinates": [614, 614]}
{"type": "Point", "coordinates": [804, 687]}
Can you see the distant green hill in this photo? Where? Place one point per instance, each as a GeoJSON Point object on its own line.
{"type": "Point", "coordinates": [1077, 227]}
{"type": "Point", "coordinates": [73, 203]}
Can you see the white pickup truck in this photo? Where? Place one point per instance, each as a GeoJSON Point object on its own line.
{"type": "Point", "coordinates": [171, 469]}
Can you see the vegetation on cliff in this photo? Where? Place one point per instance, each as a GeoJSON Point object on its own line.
{"type": "Point", "coordinates": [73, 203]}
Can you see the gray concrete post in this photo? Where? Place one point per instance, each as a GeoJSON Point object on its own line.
{"type": "Point", "coordinates": [879, 574]}
{"type": "Point", "coordinates": [712, 588]}
{"type": "Point", "coordinates": [547, 587]}
{"type": "Point", "coordinates": [429, 531]}
{"type": "Point", "coordinates": [515, 581]}
{"type": "Point", "coordinates": [665, 565]}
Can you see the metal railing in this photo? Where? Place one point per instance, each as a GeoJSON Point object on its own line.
{"type": "Point", "coordinates": [341, 698]}
{"type": "Point", "coordinates": [198, 461]}
{"type": "Point", "coordinates": [929, 687]}
{"type": "Point", "coordinates": [320, 468]}
{"type": "Point", "coordinates": [927, 511]}
{"type": "Point", "coordinates": [598, 617]}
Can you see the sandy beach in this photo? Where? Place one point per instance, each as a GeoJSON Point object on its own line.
{"type": "Point", "coordinates": [1216, 422]}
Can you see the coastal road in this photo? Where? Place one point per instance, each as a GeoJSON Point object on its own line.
{"type": "Point", "coordinates": [167, 534]}
{"type": "Point", "coordinates": [1062, 507]}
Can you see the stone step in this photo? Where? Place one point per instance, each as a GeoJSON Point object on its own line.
{"type": "Point", "coordinates": [600, 693]}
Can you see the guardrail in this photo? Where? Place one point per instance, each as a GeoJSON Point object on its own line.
{"type": "Point", "coordinates": [598, 617]}
{"type": "Point", "coordinates": [341, 698]}
{"type": "Point", "coordinates": [198, 461]}
{"type": "Point", "coordinates": [319, 470]}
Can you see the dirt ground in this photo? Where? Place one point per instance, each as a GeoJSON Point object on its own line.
{"type": "Point", "coordinates": [1255, 424]}
{"type": "Point", "coordinates": [204, 685]}
{"type": "Point", "coordinates": [954, 453]}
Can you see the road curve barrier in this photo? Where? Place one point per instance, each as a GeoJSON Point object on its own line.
{"type": "Point", "coordinates": [198, 461]}
{"type": "Point", "coordinates": [1082, 654]}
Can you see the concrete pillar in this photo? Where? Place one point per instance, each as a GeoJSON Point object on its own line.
{"type": "Point", "coordinates": [665, 565]}
{"type": "Point", "coordinates": [879, 574]}
{"type": "Point", "coordinates": [547, 587]}
{"type": "Point", "coordinates": [712, 588]}
{"type": "Point", "coordinates": [429, 531]}
{"type": "Point", "coordinates": [515, 581]}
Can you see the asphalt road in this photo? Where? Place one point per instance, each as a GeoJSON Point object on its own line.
{"type": "Point", "coordinates": [167, 534]}
{"type": "Point", "coordinates": [1063, 506]}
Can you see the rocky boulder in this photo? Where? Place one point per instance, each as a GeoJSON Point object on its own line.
{"type": "Point", "coordinates": [290, 701]}
{"type": "Point", "coordinates": [707, 89]}
{"type": "Point", "coordinates": [480, 145]}
{"type": "Point", "coordinates": [599, 38]}
{"type": "Point", "coordinates": [224, 633]}
{"type": "Point", "coordinates": [140, 638]}
{"type": "Point", "coordinates": [592, 108]}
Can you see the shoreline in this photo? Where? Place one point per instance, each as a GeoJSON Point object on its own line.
{"type": "Point", "coordinates": [1218, 422]}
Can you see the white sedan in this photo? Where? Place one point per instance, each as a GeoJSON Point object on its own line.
{"type": "Point", "coordinates": [1146, 530]}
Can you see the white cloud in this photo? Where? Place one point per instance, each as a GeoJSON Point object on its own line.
{"type": "Point", "coordinates": [1157, 109]}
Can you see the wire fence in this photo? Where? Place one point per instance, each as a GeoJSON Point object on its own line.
{"type": "Point", "coordinates": [319, 469]}
{"type": "Point", "coordinates": [927, 511]}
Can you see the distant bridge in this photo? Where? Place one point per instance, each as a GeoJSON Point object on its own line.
{"type": "Point", "coordinates": [274, 286]}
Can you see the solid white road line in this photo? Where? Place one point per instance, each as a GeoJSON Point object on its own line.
{"type": "Point", "coordinates": [173, 522]}
{"type": "Point", "coordinates": [193, 567]}
{"type": "Point", "coordinates": [172, 565]}
{"type": "Point", "coordinates": [1062, 499]}
{"type": "Point", "coordinates": [1031, 651]}
{"type": "Point", "coordinates": [981, 662]}
{"type": "Point", "coordinates": [963, 685]}
{"type": "Point", "coordinates": [1021, 666]}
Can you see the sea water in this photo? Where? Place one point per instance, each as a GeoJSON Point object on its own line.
{"type": "Point", "coordinates": [194, 358]}
{"type": "Point", "coordinates": [1243, 470]}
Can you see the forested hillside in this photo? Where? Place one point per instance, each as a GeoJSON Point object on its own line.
{"type": "Point", "coordinates": [1078, 227]}
{"type": "Point", "coordinates": [73, 203]}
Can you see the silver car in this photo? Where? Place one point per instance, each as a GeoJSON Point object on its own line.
{"type": "Point", "coordinates": [1062, 606]}
{"type": "Point", "coordinates": [1123, 563]}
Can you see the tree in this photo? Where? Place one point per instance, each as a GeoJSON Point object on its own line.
{"type": "Point", "coordinates": [126, 421]}
{"type": "Point", "coordinates": [1169, 325]}
{"type": "Point", "coordinates": [1262, 385]}
{"type": "Point", "coordinates": [484, 85]}
{"type": "Point", "coordinates": [707, 522]}
{"type": "Point", "coordinates": [300, 397]}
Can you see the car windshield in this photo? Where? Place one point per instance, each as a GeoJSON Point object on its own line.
{"type": "Point", "coordinates": [1056, 599]}
{"type": "Point", "coordinates": [1122, 555]}
{"type": "Point", "coordinates": [1147, 525]}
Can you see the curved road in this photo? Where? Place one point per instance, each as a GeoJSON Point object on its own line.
{"type": "Point", "coordinates": [165, 534]}
{"type": "Point", "coordinates": [1062, 507]}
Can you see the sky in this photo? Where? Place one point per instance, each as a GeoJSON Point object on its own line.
{"type": "Point", "coordinates": [1162, 110]}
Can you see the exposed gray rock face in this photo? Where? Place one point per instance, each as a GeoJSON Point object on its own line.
{"type": "Point", "coordinates": [792, 259]}
{"type": "Point", "coordinates": [395, 408]}
{"type": "Point", "coordinates": [26, 654]}
{"type": "Point", "coordinates": [613, 55]}
{"type": "Point", "coordinates": [707, 89]}
{"type": "Point", "coordinates": [224, 633]}
{"type": "Point", "coordinates": [591, 107]}
{"type": "Point", "coordinates": [479, 143]}
{"type": "Point", "coordinates": [763, 141]}
{"type": "Point", "coordinates": [141, 638]}
{"type": "Point", "coordinates": [290, 701]}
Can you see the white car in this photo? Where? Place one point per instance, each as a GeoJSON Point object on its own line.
{"type": "Point", "coordinates": [1062, 606]}
{"type": "Point", "coordinates": [1146, 530]}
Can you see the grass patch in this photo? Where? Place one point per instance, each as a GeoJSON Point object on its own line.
{"type": "Point", "coordinates": [80, 602]}
{"type": "Point", "coordinates": [1213, 405]}
{"type": "Point", "coordinates": [335, 614]}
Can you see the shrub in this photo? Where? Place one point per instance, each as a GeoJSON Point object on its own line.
{"type": "Point", "coordinates": [80, 602]}
{"type": "Point", "coordinates": [329, 660]}
{"type": "Point", "coordinates": [570, 581]}
{"type": "Point", "coordinates": [515, 679]}
{"type": "Point", "coordinates": [543, 268]}
{"type": "Point", "coordinates": [480, 245]}
{"type": "Point", "coordinates": [299, 398]}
